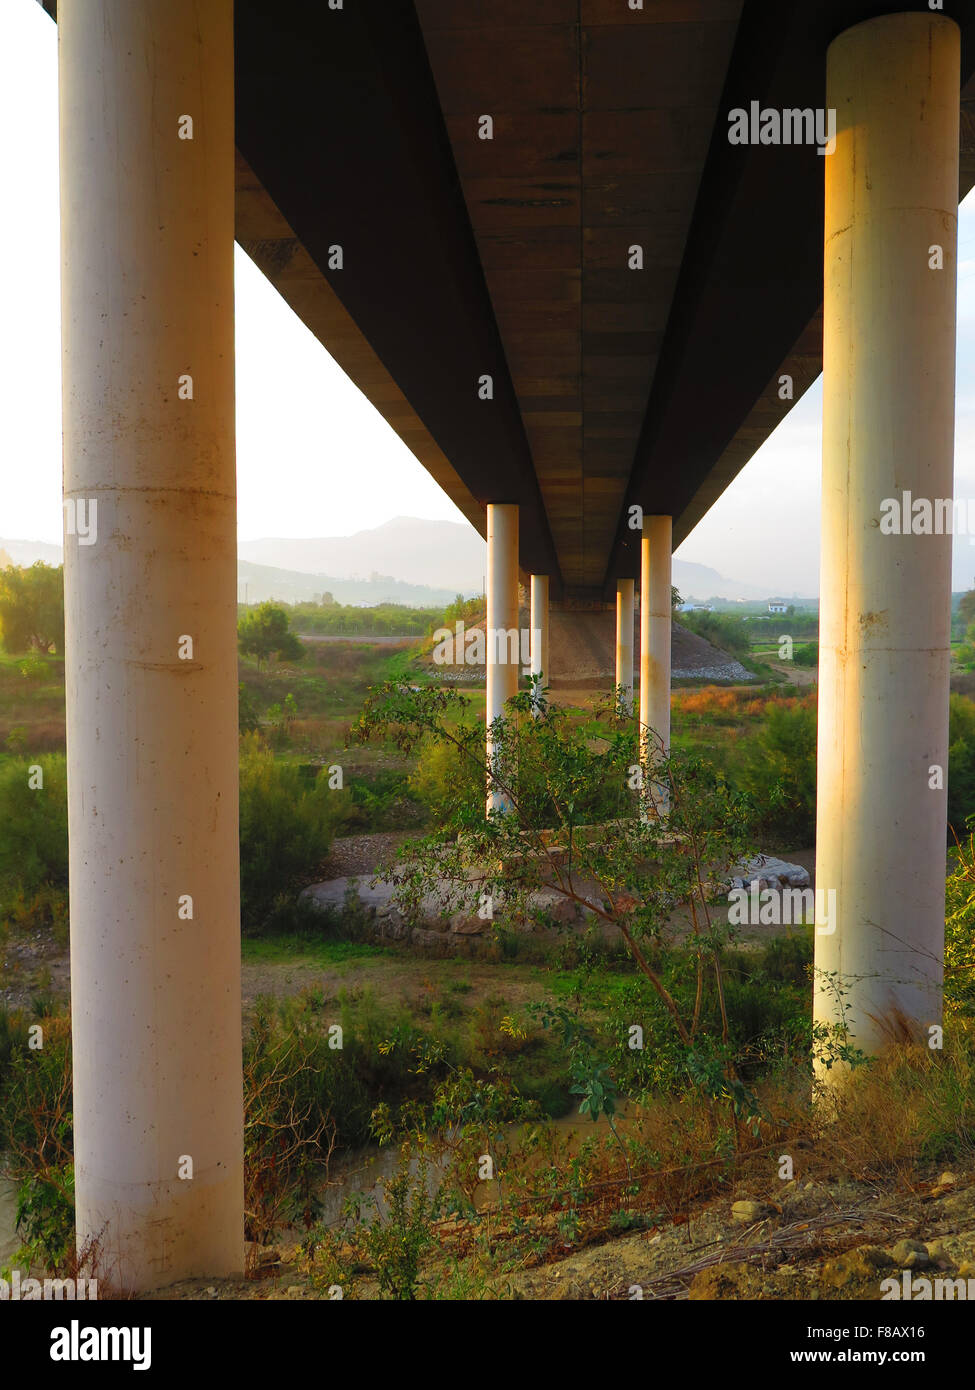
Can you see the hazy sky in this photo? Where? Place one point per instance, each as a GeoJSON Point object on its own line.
{"type": "Point", "coordinates": [337, 466]}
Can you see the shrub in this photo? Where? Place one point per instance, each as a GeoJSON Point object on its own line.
{"type": "Point", "coordinates": [265, 631]}
{"type": "Point", "coordinates": [286, 827]}
{"type": "Point", "coordinates": [725, 630]}
{"type": "Point", "coordinates": [961, 761]}
{"type": "Point", "coordinates": [34, 842]}
{"type": "Point", "coordinates": [780, 772]}
{"type": "Point", "coordinates": [248, 720]}
{"type": "Point", "coordinates": [960, 932]}
{"type": "Point", "coordinates": [442, 781]}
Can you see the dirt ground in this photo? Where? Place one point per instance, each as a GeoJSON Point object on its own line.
{"type": "Point", "coordinates": [762, 1239]}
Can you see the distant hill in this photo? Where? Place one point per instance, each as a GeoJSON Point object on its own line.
{"type": "Point", "coordinates": [700, 582]}
{"type": "Point", "coordinates": [429, 561]}
{"type": "Point", "coordinates": [255, 583]}
{"type": "Point", "coordinates": [438, 554]}
{"type": "Point", "coordinates": [27, 552]}
{"type": "Point", "coordinates": [293, 585]}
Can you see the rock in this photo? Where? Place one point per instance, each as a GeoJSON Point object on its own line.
{"type": "Point", "coordinates": [947, 1179]}
{"type": "Point", "coordinates": [936, 1251]}
{"type": "Point", "coordinates": [718, 1281]}
{"type": "Point", "coordinates": [770, 873]}
{"type": "Point", "coordinates": [464, 924]}
{"type": "Point", "coordinates": [332, 893]}
{"type": "Point", "coordinates": [738, 1280]}
{"type": "Point", "coordinates": [565, 912]}
{"type": "Point", "coordinates": [857, 1272]}
{"type": "Point", "coordinates": [422, 937]}
{"type": "Point", "coordinates": [751, 1211]}
{"type": "Point", "coordinates": [909, 1254]}
{"type": "Point", "coordinates": [391, 926]}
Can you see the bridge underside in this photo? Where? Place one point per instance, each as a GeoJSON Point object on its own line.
{"type": "Point", "coordinates": [509, 257]}
{"type": "Point", "coordinates": [590, 311]}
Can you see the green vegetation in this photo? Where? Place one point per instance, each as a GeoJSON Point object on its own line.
{"type": "Point", "coordinates": [286, 825]}
{"type": "Point", "coordinates": [470, 1051]}
{"type": "Point", "coordinates": [32, 608]}
{"type": "Point", "coordinates": [572, 820]}
{"type": "Point", "coordinates": [779, 770]}
{"type": "Point", "coordinates": [731, 633]}
{"type": "Point", "coordinates": [265, 631]}
{"type": "Point", "coordinates": [331, 619]}
{"type": "Point", "coordinates": [33, 845]}
{"type": "Point", "coordinates": [961, 763]}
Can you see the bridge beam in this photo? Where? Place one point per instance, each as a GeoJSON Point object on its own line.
{"type": "Point", "coordinates": [655, 626]}
{"type": "Point", "coordinates": [502, 662]}
{"type": "Point", "coordinates": [888, 428]}
{"type": "Point", "coordinates": [147, 236]}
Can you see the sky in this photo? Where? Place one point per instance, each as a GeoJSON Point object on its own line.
{"type": "Point", "coordinates": [338, 467]}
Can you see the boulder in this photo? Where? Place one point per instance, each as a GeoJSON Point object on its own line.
{"type": "Point", "coordinates": [909, 1254]}
{"type": "Point", "coordinates": [858, 1273]}
{"type": "Point", "coordinates": [747, 1212]}
{"type": "Point", "coordinates": [769, 873]}
{"type": "Point", "coordinates": [469, 924]}
{"type": "Point", "coordinates": [421, 936]}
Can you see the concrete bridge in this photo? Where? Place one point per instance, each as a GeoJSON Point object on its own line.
{"type": "Point", "coordinates": [573, 253]}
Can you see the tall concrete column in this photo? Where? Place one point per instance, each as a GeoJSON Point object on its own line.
{"type": "Point", "coordinates": [540, 628]}
{"type": "Point", "coordinates": [147, 234]}
{"type": "Point", "coordinates": [888, 423]}
{"type": "Point", "coordinates": [624, 642]}
{"type": "Point", "coordinates": [503, 653]}
{"type": "Point", "coordinates": [655, 610]}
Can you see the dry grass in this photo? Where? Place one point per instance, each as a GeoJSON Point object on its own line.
{"type": "Point", "coordinates": [716, 703]}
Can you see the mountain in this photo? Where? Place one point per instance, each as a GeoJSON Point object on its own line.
{"type": "Point", "coordinates": [439, 554]}
{"type": "Point", "coordinates": [255, 583]}
{"type": "Point", "coordinates": [27, 552]}
{"type": "Point", "coordinates": [700, 582]}
{"type": "Point", "coordinates": [432, 561]}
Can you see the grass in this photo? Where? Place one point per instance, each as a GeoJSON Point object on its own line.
{"type": "Point", "coordinates": [284, 950]}
{"type": "Point", "coordinates": [31, 706]}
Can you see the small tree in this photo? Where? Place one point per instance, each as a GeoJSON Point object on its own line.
{"type": "Point", "coordinates": [265, 631]}
{"type": "Point", "coordinates": [32, 608]}
{"type": "Point", "coordinates": [559, 775]}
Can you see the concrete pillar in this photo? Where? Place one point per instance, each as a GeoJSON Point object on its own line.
{"type": "Point", "coordinates": [540, 628]}
{"type": "Point", "coordinates": [503, 644]}
{"type": "Point", "coordinates": [624, 642]}
{"type": "Point", "coordinates": [888, 408]}
{"type": "Point", "coordinates": [655, 610]}
{"type": "Point", "coordinates": [147, 234]}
